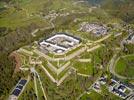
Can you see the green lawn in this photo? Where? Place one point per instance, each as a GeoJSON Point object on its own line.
{"type": "Point", "coordinates": [87, 67]}
{"type": "Point", "coordinates": [22, 17]}
{"type": "Point", "coordinates": [125, 66]}
{"type": "Point", "coordinates": [83, 67]}
{"type": "Point", "coordinates": [93, 96]}
{"type": "Point", "coordinates": [21, 1]}
{"type": "Point", "coordinates": [69, 90]}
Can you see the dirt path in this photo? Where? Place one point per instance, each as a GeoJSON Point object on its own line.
{"type": "Point", "coordinates": [17, 59]}
{"type": "Point", "coordinates": [102, 39]}
{"type": "Point", "coordinates": [48, 74]}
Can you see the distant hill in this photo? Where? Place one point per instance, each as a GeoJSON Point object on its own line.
{"type": "Point", "coordinates": [94, 2]}
{"type": "Point", "coordinates": [123, 9]}
{"type": "Point", "coordinates": [5, 0]}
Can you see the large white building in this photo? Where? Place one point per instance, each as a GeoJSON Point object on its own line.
{"type": "Point", "coordinates": [59, 43]}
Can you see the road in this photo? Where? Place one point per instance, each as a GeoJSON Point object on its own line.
{"type": "Point", "coordinates": [35, 86]}
{"type": "Point", "coordinates": [41, 85]}
{"type": "Point", "coordinates": [102, 39]}
{"type": "Point", "coordinates": [63, 78]}
{"type": "Point", "coordinates": [112, 67]}
{"type": "Point", "coordinates": [48, 74]}
{"type": "Point", "coordinates": [30, 53]}
{"type": "Point", "coordinates": [84, 60]}
{"type": "Point", "coordinates": [84, 75]}
{"type": "Point", "coordinates": [66, 58]}
{"type": "Point", "coordinates": [93, 48]}
{"type": "Point", "coordinates": [58, 70]}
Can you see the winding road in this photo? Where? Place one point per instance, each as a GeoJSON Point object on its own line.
{"type": "Point", "coordinates": [111, 66]}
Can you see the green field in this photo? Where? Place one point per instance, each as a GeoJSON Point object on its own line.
{"type": "Point", "coordinates": [93, 96]}
{"type": "Point", "coordinates": [84, 68]}
{"type": "Point", "coordinates": [125, 66]}
{"type": "Point", "coordinates": [68, 90]}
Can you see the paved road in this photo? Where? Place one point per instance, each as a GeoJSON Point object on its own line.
{"type": "Point", "coordinates": [84, 60]}
{"type": "Point", "coordinates": [66, 58]}
{"type": "Point", "coordinates": [30, 53]}
{"type": "Point", "coordinates": [35, 86]}
{"type": "Point", "coordinates": [93, 48]}
{"type": "Point", "coordinates": [63, 78]}
{"type": "Point", "coordinates": [58, 70]}
{"type": "Point", "coordinates": [112, 67]}
{"type": "Point", "coordinates": [24, 69]}
{"type": "Point", "coordinates": [48, 74]}
{"type": "Point", "coordinates": [41, 85]}
{"type": "Point", "coordinates": [104, 38]}
{"type": "Point", "coordinates": [84, 75]}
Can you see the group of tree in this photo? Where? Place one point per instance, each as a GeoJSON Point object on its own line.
{"type": "Point", "coordinates": [123, 9]}
{"type": "Point", "coordinates": [9, 43]}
